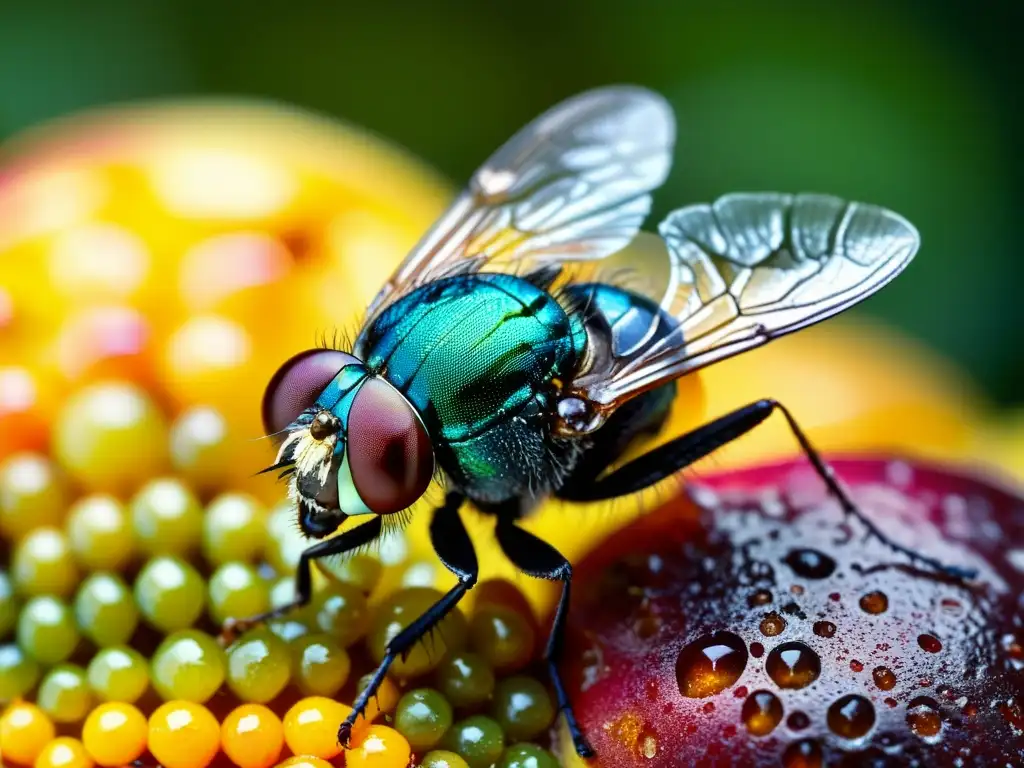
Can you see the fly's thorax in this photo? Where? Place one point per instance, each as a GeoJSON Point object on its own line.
{"type": "Point", "coordinates": [356, 446]}
{"type": "Point", "coordinates": [470, 351]}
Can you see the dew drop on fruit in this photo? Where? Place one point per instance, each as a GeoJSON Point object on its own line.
{"type": "Point", "coordinates": [951, 606]}
{"type": "Point", "coordinates": [802, 754]}
{"type": "Point", "coordinates": [649, 746]}
{"type": "Point", "coordinates": [793, 665]}
{"type": "Point", "coordinates": [851, 716]}
{"type": "Point", "coordinates": [710, 665]}
{"type": "Point", "coordinates": [798, 721]}
{"type": "Point", "coordinates": [810, 563]}
{"type": "Point", "coordinates": [761, 712]}
{"type": "Point", "coordinates": [772, 624]}
{"type": "Point", "coordinates": [874, 602]}
{"type": "Point", "coordinates": [761, 597]}
{"type": "Point", "coordinates": [824, 629]}
{"type": "Point", "coordinates": [923, 717]}
{"type": "Point", "coordinates": [884, 678]}
{"type": "Point", "coordinates": [929, 643]}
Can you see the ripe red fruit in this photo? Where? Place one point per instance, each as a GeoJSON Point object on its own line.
{"type": "Point", "coordinates": [752, 625]}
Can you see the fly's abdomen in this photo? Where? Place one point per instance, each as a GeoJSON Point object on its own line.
{"type": "Point", "coordinates": [473, 353]}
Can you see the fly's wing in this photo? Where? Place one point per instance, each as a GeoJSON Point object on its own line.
{"type": "Point", "coordinates": [747, 269]}
{"type": "Point", "coordinates": [572, 185]}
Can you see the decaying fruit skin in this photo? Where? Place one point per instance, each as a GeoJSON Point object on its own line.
{"type": "Point", "coordinates": [750, 624]}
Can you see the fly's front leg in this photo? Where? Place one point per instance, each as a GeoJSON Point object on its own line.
{"type": "Point", "coordinates": [668, 459]}
{"type": "Point", "coordinates": [537, 558]}
{"type": "Point", "coordinates": [455, 549]}
{"type": "Point", "coordinates": [345, 542]}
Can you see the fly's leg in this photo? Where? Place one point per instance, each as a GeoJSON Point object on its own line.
{"type": "Point", "coordinates": [668, 459]}
{"type": "Point", "coordinates": [345, 542]}
{"type": "Point", "coordinates": [455, 550]}
{"type": "Point", "coordinates": [535, 557]}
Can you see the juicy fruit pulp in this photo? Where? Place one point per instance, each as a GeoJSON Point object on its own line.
{"type": "Point", "coordinates": [770, 630]}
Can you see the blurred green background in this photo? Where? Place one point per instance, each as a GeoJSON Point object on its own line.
{"type": "Point", "coordinates": [907, 103]}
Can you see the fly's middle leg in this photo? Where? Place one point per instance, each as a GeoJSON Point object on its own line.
{"type": "Point", "coordinates": [535, 557]}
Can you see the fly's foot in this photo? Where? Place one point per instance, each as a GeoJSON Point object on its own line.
{"type": "Point", "coordinates": [954, 572]}
{"type": "Point", "coordinates": [345, 729]}
{"type": "Point", "coordinates": [579, 741]}
{"type": "Point", "coordinates": [232, 629]}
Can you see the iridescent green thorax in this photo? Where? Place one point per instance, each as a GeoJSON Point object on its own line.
{"type": "Point", "coordinates": [476, 355]}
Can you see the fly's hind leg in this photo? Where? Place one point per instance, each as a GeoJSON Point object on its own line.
{"type": "Point", "coordinates": [455, 550]}
{"type": "Point", "coordinates": [668, 459]}
{"type": "Point", "coordinates": [535, 557]}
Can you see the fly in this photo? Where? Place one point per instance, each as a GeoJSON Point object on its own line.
{"type": "Point", "coordinates": [481, 363]}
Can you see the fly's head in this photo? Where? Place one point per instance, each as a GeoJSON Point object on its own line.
{"type": "Point", "coordinates": [350, 443]}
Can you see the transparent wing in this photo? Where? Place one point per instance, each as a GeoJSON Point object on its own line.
{"type": "Point", "coordinates": [749, 268]}
{"type": "Point", "coordinates": [572, 185]}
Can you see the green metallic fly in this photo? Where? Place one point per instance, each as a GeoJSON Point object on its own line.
{"type": "Point", "coordinates": [480, 363]}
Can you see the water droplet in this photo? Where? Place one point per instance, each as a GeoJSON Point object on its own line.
{"type": "Point", "coordinates": [797, 721]}
{"type": "Point", "coordinates": [772, 624]}
{"type": "Point", "coordinates": [761, 712]}
{"type": "Point", "coordinates": [851, 716]}
{"type": "Point", "coordinates": [802, 754]}
{"type": "Point", "coordinates": [761, 597]}
{"type": "Point", "coordinates": [884, 678]}
{"type": "Point", "coordinates": [1012, 646]}
{"type": "Point", "coordinates": [810, 563]}
{"type": "Point", "coordinates": [856, 666]}
{"type": "Point", "coordinates": [923, 717]}
{"type": "Point", "coordinates": [951, 606]}
{"type": "Point", "coordinates": [929, 643]}
{"type": "Point", "coordinates": [710, 664]}
{"type": "Point", "coordinates": [756, 650]}
{"type": "Point", "coordinates": [650, 747]}
{"type": "Point", "coordinates": [793, 665]}
{"type": "Point", "coordinates": [646, 626]}
{"type": "Point", "coordinates": [1013, 714]}
{"type": "Point", "coordinates": [874, 602]}
{"type": "Point", "coordinates": [824, 628]}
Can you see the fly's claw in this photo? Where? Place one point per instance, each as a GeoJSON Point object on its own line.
{"type": "Point", "coordinates": [232, 629]}
{"type": "Point", "coordinates": [345, 729]}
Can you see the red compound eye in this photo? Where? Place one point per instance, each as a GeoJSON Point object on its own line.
{"type": "Point", "coordinates": [298, 383]}
{"type": "Point", "coordinates": [389, 451]}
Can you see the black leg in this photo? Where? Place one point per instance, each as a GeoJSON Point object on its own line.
{"type": "Point", "coordinates": [345, 542]}
{"type": "Point", "coordinates": [668, 459]}
{"type": "Point", "coordinates": [537, 558]}
{"type": "Point", "coordinates": [455, 549]}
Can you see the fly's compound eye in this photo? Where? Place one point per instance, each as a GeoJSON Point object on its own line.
{"type": "Point", "coordinates": [389, 451]}
{"type": "Point", "coordinates": [297, 385]}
